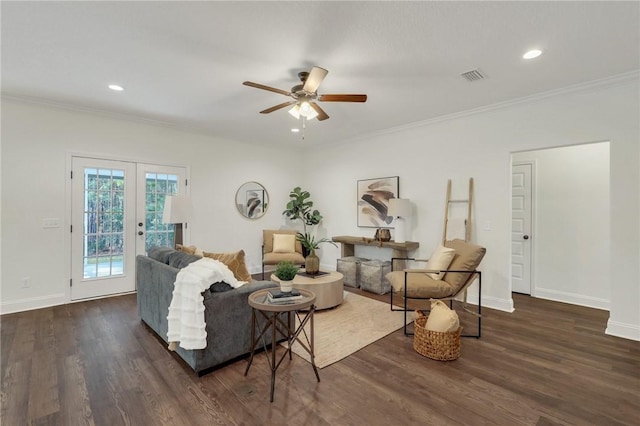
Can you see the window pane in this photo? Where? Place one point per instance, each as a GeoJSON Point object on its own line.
{"type": "Point", "coordinates": [90, 267]}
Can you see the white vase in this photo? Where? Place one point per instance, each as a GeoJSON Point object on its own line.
{"type": "Point", "coordinates": [286, 286]}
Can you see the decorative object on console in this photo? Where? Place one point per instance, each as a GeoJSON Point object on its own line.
{"type": "Point", "coordinates": [308, 241]}
{"type": "Point", "coordinates": [177, 209]}
{"type": "Point", "coordinates": [286, 271]}
{"type": "Point", "coordinates": [400, 208]}
{"type": "Point", "coordinates": [373, 201]}
{"type": "Point", "coordinates": [252, 200]}
{"type": "Point", "coordinates": [382, 235]}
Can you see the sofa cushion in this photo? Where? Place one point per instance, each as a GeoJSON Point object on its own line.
{"type": "Point", "coordinates": [180, 259]}
{"type": "Point", "coordinates": [275, 258]}
{"type": "Point", "coordinates": [439, 260]}
{"type": "Point", "coordinates": [419, 284]}
{"type": "Point", "coordinates": [161, 254]}
{"type": "Point", "coordinates": [234, 261]}
{"type": "Point", "coordinates": [467, 258]}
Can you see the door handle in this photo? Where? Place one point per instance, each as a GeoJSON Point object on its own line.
{"type": "Point", "coordinates": [140, 224]}
{"type": "Point", "coordinates": [526, 237]}
{"type": "Point", "coordinates": [140, 233]}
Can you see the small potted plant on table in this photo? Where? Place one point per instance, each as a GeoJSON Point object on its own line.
{"type": "Point", "coordinates": [286, 271]}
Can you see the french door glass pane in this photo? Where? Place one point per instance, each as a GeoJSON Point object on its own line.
{"type": "Point", "coordinates": [158, 186]}
{"type": "Point", "coordinates": [103, 222]}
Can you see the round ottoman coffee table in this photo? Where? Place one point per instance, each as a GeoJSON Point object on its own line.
{"type": "Point", "coordinates": [328, 287]}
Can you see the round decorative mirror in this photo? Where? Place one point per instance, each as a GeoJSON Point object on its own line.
{"type": "Point", "coordinates": [252, 200]}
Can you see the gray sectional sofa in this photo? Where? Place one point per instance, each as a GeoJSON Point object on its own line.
{"type": "Point", "coordinates": [227, 312]}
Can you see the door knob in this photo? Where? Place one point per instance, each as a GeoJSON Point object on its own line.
{"type": "Point", "coordinates": [526, 237]}
{"type": "Point", "coordinates": [140, 233]}
{"type": "Point", "coordinates": [140, 224]}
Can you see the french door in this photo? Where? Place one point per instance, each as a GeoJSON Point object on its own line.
{"type": "Point", "coordinates": [116, 213]}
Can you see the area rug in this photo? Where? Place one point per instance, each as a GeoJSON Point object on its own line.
{"type": "Point", "coordinates": [349, 327]}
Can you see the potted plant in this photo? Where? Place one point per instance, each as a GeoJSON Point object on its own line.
{"type": "Point", "coordinates": [300, 207]}
{"type": "Point", "coordinates": [308, 241]}
{"type": "Point", "coordinates": [286, 271]}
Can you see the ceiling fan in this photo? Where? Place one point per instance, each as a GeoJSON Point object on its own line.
{"type": "Point", "coordinates": [305, 95]}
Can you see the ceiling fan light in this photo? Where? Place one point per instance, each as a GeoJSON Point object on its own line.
{"type": "Point", "coordinates": [307, 111]}
{"type": "Point", "coordinates": [295, 111]}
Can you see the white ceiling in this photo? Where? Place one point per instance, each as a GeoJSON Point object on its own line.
{"type": "Point", "coordinates": [183, 63]}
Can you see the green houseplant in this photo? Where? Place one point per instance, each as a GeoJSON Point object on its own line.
{"type": "Point", "coordinates": [308, 241]}
{"type": "Point", "coordinates": [300, 208]}
{"type": "Point", "coordinates": [286, 271]}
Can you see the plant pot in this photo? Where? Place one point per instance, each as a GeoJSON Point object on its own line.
{"type": "Point", "coordinates": [312, 263]}
{"type": "Point", "coordinates": [286, 286]}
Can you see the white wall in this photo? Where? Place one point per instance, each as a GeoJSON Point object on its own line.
{"type": "Point", "coordinates": [36, 140]}
{"type": "Point", "coordinates": [480, 146]}
{"type": "Point", "coordinates": [570, 237]}
{"type": "Point", "coordinates": [36, 143]}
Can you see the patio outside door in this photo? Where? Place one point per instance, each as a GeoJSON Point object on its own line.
{"type": "Point", "coordinates": [116, 213]}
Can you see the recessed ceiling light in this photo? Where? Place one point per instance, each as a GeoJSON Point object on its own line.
{"type": "Point", "coordinates": [116, 87]}
{"type": "Point", "coordinates": [295, 130]}
{"type": "Point", "coordinates": [534, 53]}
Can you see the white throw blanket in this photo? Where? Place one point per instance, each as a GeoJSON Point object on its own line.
{"type": "Point", "coordinates": [186, 312]}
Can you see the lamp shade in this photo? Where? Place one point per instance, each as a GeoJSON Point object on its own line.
{"type": "Point", "coordinates": [399, 207]}
{"type": "Point", "coordinates": [177, 209]}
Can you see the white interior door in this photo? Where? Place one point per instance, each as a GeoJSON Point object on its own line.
{"type": "Point", "coordinates": [155, 183]}
{"type": "Point", "coordinates": [521, 212]}
{"type": "Point", "coordinates": [102, 219]}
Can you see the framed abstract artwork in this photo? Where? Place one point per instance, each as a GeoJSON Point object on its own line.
{"type": "Point", "coordinates": [373, 201]}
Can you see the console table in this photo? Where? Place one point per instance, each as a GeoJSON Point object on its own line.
{"type": "Point", "coordinates": [399, 249]}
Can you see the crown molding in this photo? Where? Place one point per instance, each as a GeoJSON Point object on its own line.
{"type": "Point", "coordinates": [618, 79]}
{"type": "Point", "coordinates": [84, 109]}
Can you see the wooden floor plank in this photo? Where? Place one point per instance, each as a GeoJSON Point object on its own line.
{"type": "Point", "coordinates": [545, 364]}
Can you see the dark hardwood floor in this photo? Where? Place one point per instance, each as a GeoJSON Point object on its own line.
{"type": "Point", "coordinates": [94, 363]}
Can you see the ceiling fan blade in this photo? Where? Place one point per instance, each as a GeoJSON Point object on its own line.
{"type": "Point", "coordinates": [314, 79]}
{"type": "Point", "coordinates": [263, 87]}
{"type": "Point", "coordinates": [277, 107]}
{"type": "Point", "coordinates": [342, 98]}
{"type": "Point", "coordinates": [321, 114]}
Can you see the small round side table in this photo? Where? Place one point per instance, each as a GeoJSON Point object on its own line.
{"type": "Point", "coordinates": [272, 313]}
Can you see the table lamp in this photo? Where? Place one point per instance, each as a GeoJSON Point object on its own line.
{"type": "Point", "coordinates": [176, 211]}
{"type": "Point", "coordinates": [399, 208]}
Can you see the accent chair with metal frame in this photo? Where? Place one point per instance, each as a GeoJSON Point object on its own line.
{"type": "Point", "coordinates": [273, 257]}
{"type": "Point", "coordinates": [416, 284]}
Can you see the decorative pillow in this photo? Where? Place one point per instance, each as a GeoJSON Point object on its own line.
{"type": "Point", "coordinates": [284, 243]}
{"type": "Point", "coordinates": [220, 287]}
{"type": "Point", "coordinates": [161, 254]}
{"type": "Point", "coordinates": [189, 249]}
{"type": "Point", "coordinates": [235, 262]}
{"type": "Point", "coordinates": [441, 318]}
{"type": "Point", "coordinates": [180, 259]}
{"type": "Point", "coordinates": [439, 260]}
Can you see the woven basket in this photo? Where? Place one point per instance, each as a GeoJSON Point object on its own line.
{"type": "Point", "coordinates": [441, 346]}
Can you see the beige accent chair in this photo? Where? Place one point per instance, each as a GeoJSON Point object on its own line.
{"type": "Point", "coordinates": [462, 272]}
{"type": "Point", "coordinates": [269, 257]}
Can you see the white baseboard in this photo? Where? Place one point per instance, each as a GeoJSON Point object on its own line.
{"type": "Point", "coordinates": [572, 298]}
{"type": "Point", "coordinates": [505, 305]}
{"type": "Point", "coordinates": [626, 331]}
{"type": "Point", "coordinates": [33, 303]}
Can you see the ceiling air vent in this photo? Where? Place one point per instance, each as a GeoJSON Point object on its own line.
{"type": "Point", "coordinates": [472, 75]}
